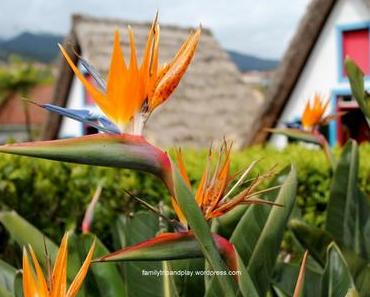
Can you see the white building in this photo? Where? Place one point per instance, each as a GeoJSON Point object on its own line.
{"type": "Point", "coordinates": [329, 31]}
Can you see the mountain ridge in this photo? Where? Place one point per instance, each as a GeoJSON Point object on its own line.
{"type": "Point", "coordinates": [42, 47]}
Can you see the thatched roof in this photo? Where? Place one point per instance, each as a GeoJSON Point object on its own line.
{"type": "Point", "coordinates": [293, 63]}
{"type": "Point", "coordinates": [211, 101]}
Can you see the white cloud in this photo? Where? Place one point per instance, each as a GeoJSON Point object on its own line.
{"type": "Point", "coordinates": [262, 28]}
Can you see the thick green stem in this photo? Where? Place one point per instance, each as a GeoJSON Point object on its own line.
{"type": "Point", "coordinates": [201, 231]}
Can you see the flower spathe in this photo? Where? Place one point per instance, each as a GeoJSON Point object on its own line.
{"type": "Point", "coordinates": [132, 92]}
{"type": "Point", "coordinates": [313, 113]}
{"type": "Point", "coordinates": [36, 285]}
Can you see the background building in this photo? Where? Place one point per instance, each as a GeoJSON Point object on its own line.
{"type": "Point", "coordinates": [329, 31]}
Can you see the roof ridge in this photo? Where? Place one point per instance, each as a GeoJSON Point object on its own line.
{"type": "Point", "coordinates": [79, 18]}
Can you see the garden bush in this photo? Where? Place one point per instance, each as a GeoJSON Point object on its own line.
{"type": "Point", "coordinates": [45, 191]}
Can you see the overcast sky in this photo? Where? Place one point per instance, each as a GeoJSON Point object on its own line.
{"type": "Point", "coordinates": [258, 27]}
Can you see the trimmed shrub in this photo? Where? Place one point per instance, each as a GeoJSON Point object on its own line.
{"type": "Point", "coordinates": [53, 196]}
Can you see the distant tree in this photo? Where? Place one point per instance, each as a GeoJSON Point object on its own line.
{"type": "Point", "coordinates": [18, 78]}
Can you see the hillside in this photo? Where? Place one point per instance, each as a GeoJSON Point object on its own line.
{"type": "Point", "coordinates": [251, 63]}
{"type": "Point", "coordinates": [38, 47]}
{"type": "Point", "coordinates": [43, 48]}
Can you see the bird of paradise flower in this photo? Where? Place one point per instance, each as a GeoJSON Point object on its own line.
{"type": "Point", "coordinates": [218, 193]}
{"type": "Point", "coordinates": [132, 91]}
{"type": "Point", "coordinates": [313, 118]}
{"type": "Point", "coordinates": [35, 284]}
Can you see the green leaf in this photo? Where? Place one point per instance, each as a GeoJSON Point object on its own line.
{"type": "Point", "coordinates": [297, 134]}
{"type": "Point", "coordinates": [168, 246]}
{"type": "Point", "coordinates": [258, 236]}
{"type": "Point", "coordinates": [169, 285]}
{"type": "Point", "coordinates": [360, 271]}
{"type": "Point", "coordinates": [348, 210]}
{"type": "Point", "coordinates": [286, 274]}
{"type": "Point", "coordinates": [309, 137]}
{"type": "Point", "coordinates": [121, 151]}
{"type": "Point", "coordinates": [26, 234]}
{"type": "Point", "coordinates": [246, 285]}
{"type": "Point", "coordinates": [337, 279]}
{"type": "Point", "coordinates": [134, 229]}
{"type": "Point", "coordinates": [201, 231]}
{"type": "Point", "coordinates": [279, 292]}
{"type": "Point", "coordinates": [18, 285]}
{"type": "Point", "coordinates": [225, 224]}
{"type": "Point", "coordinates": [352, 293]}
{"type": "Point", "coordinates": [7, 277]}
{"type": "Point", "coordinates": [356, 79]}
{"type": "Point", "coordinates": [5, 293]}
{"type": "Point", "coordinates": [189, 285]}
{"type": "Point", "coordinates": [165, 246]}
{"type": "Point", "coordinates": [313, 239]}
{"type": "Point", "coordinates": [106, 277]}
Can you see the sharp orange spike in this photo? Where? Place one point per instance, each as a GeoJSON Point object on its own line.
{"type": "Point", "coordinates": [29, 282]}
{"type": "Point", "coordinates": [313, 113]}
{"type": "Point", "coordinates": [182, 168]}
{"type": "Point", "coordinates": [178, 212]}
{"type": "Point", "coordinates": [77, 282]}
{"type": "Point", "coordinates": [59, 272]}
{"type": "Point", "coordinates": [176, 70]}
{"type": "Point", "coordinates": [117, 74]}
{"type": "Point", "coordinates": [42, 284]}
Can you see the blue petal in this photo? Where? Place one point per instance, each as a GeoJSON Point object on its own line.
{"type": "Point", "coordinates": [108, 124]}
{"type": "Point", "coordinates": [94, 73]}
{"type": "Point", "coordinates": [85, 116]}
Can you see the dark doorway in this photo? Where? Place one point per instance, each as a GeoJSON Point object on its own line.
{"type": "Point", "coordinates": [352, 124]}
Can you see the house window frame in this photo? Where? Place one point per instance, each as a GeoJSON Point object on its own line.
{"type": "Point", "coordinates": [340, 30]}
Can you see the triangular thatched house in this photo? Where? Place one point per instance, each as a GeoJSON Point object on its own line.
{"type": "Point", "coordinates": [211, 101]}
{"type": "Point", "coordinates": [329, 31]}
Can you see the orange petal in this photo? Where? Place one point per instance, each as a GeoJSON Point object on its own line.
{"type": "Point", "coordinates": [182, 168]}
{"type": "Point", "coordinates": [175, 72]}
{"type": "Point", "coordinates": [42, 284]}
{"type": "Point", "coordinates": [307, 116]}
{"type": "Point", "coordinates": [149, 47]}
{"type": "Point", "coordinates": [116, 76]}
{"type": "Point", "coordinates": [314, 113]}
{"type": "Point", "coordinates": [146, 69]}
{"type": "Point", "coordinates": [133, 58]}
{"type": "Point", "coordinates": [77, 282]}
{"type": "Point", "coordinates": [220, 185]}
{"type": "Point", "coordinates": [200, 194]}
{"type": "Point", "coordinates": [179, 212]}
{"type": "Point", "coordinates": [133, 96]}
{"type": "Point", "coordinates": [29, 282]}
{"type": "Point", "coordinates": [59, 276]}
{"type": "Point", "coordinates": [154, 66]}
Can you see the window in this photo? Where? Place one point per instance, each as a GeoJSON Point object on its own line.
{"type": "Point", "coordinates": [355, 44]}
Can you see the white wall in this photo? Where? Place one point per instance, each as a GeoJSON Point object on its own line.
{"type": "Point", "coordinates": [321, 70]}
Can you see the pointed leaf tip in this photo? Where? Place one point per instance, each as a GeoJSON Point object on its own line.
{"type": "Point", "coordinates": [119, 151]}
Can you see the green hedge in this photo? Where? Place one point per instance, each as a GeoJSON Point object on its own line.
{"type": "Point", "coordinates": [53, 195]}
